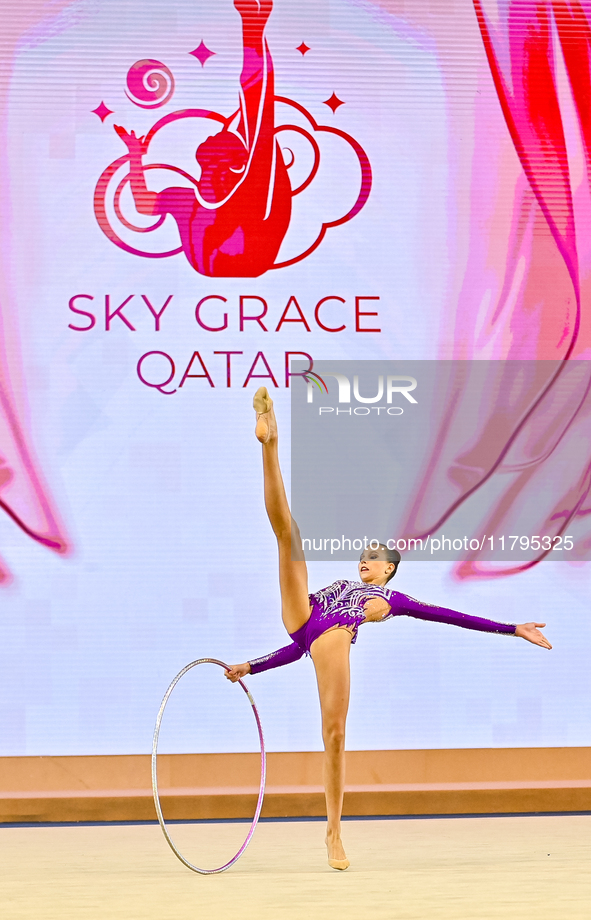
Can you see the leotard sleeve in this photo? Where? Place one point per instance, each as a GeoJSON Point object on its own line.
{"type": "Point", "coordinates": [403, 605]}
{"type": "Point", "coordinates": [277, 659]}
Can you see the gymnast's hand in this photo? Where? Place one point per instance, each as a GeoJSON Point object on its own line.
{"type": "Point", "coordinates": [237, 671]}
{"type": "Point", "coordinates": [134, 144]}
{"type": "Point", "coordinates": [530, 632]}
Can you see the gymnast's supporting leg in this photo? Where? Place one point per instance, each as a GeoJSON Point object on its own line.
{"type": "Point", "coordinates": [330, 654]}
{"type": "Point", "coordinates": [293, 574]}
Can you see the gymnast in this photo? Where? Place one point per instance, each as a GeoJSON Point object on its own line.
{"type": "Point", "coordinates": [325, 624]}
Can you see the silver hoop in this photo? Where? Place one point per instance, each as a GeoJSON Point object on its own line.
{"type": "Point", "coordinates": [155, 771]}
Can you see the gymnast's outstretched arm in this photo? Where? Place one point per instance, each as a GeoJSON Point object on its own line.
{"type": "Point", "coordinates": [404, 605]}
{"type": "Point", "coordinates": [285, 655]}
{"type": "Point", "coordinates": [146, 202]}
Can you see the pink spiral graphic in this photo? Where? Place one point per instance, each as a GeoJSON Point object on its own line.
{"type": "Point", "coordinates": [150, 84]}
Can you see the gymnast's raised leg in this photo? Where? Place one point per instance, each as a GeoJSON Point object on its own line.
{"type": "Point", "coordinates": [330, 651]}
{"type": "Point", "coordinates": [293, 573]}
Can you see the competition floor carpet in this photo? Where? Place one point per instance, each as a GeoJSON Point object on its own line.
{"type": "Point", "coordinates": [414, 869]}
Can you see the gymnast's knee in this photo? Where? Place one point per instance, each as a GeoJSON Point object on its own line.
{"type": "Point", "coordinates": [333, 736]}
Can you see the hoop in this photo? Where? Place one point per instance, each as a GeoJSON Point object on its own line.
{"type": "Point", "coordinates": [155, 771]}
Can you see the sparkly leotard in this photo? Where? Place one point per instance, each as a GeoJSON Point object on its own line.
{"type": "Point", "coordinates": [342, 603]}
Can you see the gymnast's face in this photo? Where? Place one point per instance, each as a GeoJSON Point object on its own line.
{"type": "Point", "coordinates": [374, 568]}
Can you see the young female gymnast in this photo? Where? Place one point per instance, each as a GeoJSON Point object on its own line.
{"type": "Point", "coordinates": [325, 624]}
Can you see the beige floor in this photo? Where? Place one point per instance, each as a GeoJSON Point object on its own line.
{"type": "Point", "coordinates": [475, 868]}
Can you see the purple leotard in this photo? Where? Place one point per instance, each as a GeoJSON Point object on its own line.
{"type": "Point", "coordinates": [342, 603]}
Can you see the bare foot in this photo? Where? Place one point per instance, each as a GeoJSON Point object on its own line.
{"type": "Point", "coordinates": [266, 426]}
{"type": "Point", "coordinates": [337, 858]}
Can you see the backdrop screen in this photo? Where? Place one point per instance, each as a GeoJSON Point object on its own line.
{"type": "Point", "coordinates": [201, 198]}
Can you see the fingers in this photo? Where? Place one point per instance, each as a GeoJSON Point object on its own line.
{"type": "Point", "coordinates": [541, 640]}
{"type": "Point", "coordinates": [540, 636]}
{"type": "Point", "coordinates": [234, 674]}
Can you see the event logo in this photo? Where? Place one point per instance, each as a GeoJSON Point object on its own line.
{"type": "Point", "coordinates": [233, 220]}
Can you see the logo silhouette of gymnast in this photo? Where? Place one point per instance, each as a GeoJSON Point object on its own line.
{"type": "Point", "coordinates": [233, 221]}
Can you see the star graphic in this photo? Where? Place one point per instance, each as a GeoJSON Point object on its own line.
{"type": "Point", "coordinates": [334, 102]}
{"type": "Point", "coordinates": [303, 48]}
{"type": "Point", "coordinates": [102, 111]}
{"type": "Point", "coordinates": [202, 53]}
